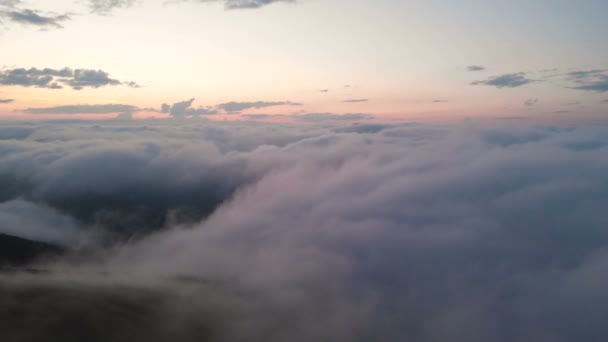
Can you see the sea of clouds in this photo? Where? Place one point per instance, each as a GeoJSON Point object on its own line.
{"type": "Point", "coordinates": [358, 232]}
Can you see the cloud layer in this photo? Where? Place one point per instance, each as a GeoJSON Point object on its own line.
{"type": "Point", "coordinates": [335, 232]}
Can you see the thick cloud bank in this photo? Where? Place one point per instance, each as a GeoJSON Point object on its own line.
{"type": "Point", "coordinates": [335, 233]}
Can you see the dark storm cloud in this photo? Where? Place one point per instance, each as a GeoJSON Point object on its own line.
{"type": "Point", "coordinates": [506, 81]}
{"type": "Point", "coordinates": [77, 79]}
{"type": "Point", "coordinates": [7, 100]}
{"type": "Point", "coordinates": [356, 100]}
{"type": "Point", "coordinates": [316, 117]}
{"type": "Point", "coordinates": [237, 107]}
{"type": "Point", "coordinates": [35, 18]}
{"type": "Point", "coordinates": [475, 68]}
{"type": "Point", "coordinates": [83, 109]}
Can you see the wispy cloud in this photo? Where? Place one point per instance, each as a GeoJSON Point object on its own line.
{"type": "Point", "coordinates": [77, 79]}
{"type": "Point", "coordinates": [475, 68]}
{"type": "Point", "coordinates": [316, 117]}
{"type": "Point", "coordinates": [83, 109]}
{"type": "Point", "coordinates": [356, 100]}
{"type": "Point", "coordinates": [36, 18]}
{"type": "Point", "coordinates": [237, 107]}
{"type": "Point", "coordinates": [184, 108]}
{"type": "Point", "coordinates": [531, 102]}
{"type": "Point", "coordinates": [105, 7]}
{"type": "Point", "coordinates": [7, 100]}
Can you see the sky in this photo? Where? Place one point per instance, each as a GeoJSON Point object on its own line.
{"type": "Point", "coordinates": [382, 60]}
{"type": "Point", "coordinates": [304, 170]}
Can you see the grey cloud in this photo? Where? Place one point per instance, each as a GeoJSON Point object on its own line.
{"type": "Point", "coordinates": [590, 80]}
{"type": "Point", "coordinates": [9, 3]}
{"type": "Point", "coordinates": [316, 117]}
{"type": "Point", "coordinates": [237, 107]}
{"type": "Point", "coordinates": [83, 109]}
{"type": "Point", "coordinates": [128, 115]}
{"type": "Point", "coordinates": [244, 4]}
{"type": "Point", "coordinates": [506, 81]}
{"type": "Point", "coordinates": [263, 116]}
{"type": "Point", "coordinates": [105, 7]}
{"type": "Point", "coordinates": [165, 108]}
{"type": "Point", "coordinates": [183, 109]}
{"type": "Point", "coordinates": [440, 101]}
{"type": "Point", "coordinates": [511, 118]}
{"type": "Point", "coordinates": [77, 79]}
{"type": "Point", "coordinates": [324, 91]}
{"type": "Point", "coordinates": [356, 100]}
{"type": "Point", "coordinates": [7, 100]}
{"type": "Point", "coordinates": [35, 18]}
{"type": "Point", "coordinates": [475, 68]}
{"type": "Point", "coordinates": [531, 102]}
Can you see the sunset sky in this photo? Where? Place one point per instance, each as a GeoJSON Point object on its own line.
{"type": "Point", "coordinates": [386, 60]}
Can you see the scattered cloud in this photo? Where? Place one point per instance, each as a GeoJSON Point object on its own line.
{"type": "Point", "coordinates": [237, 107]}
{"type": "Point", "coordinates": [530, 102]}
{"type": "Point", "coordinates": [590, 80]}
{"type": "Point", "coordinates": [356, 100]}
{"type": "Point", "coordinates": [440, 101]}
{"type": "Point", "coordinates": [9, 3]}
{"type": "Point", "coordinates": [77, 79]}
{"type": "Point", "coordinates": [475, 68]}
{"type": "Point", "coordinates": [184, 109]}
{"type": "Point", "coordinates": [506, 81]}
{"type": "Point", "coordinates": [324, 90]}
{"type": "Point", "coordinates": [105, 7]}
{"type": "Point", "coordinates": [83, 109]}
{"type": "Point", "coordinates": [7, 100]}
